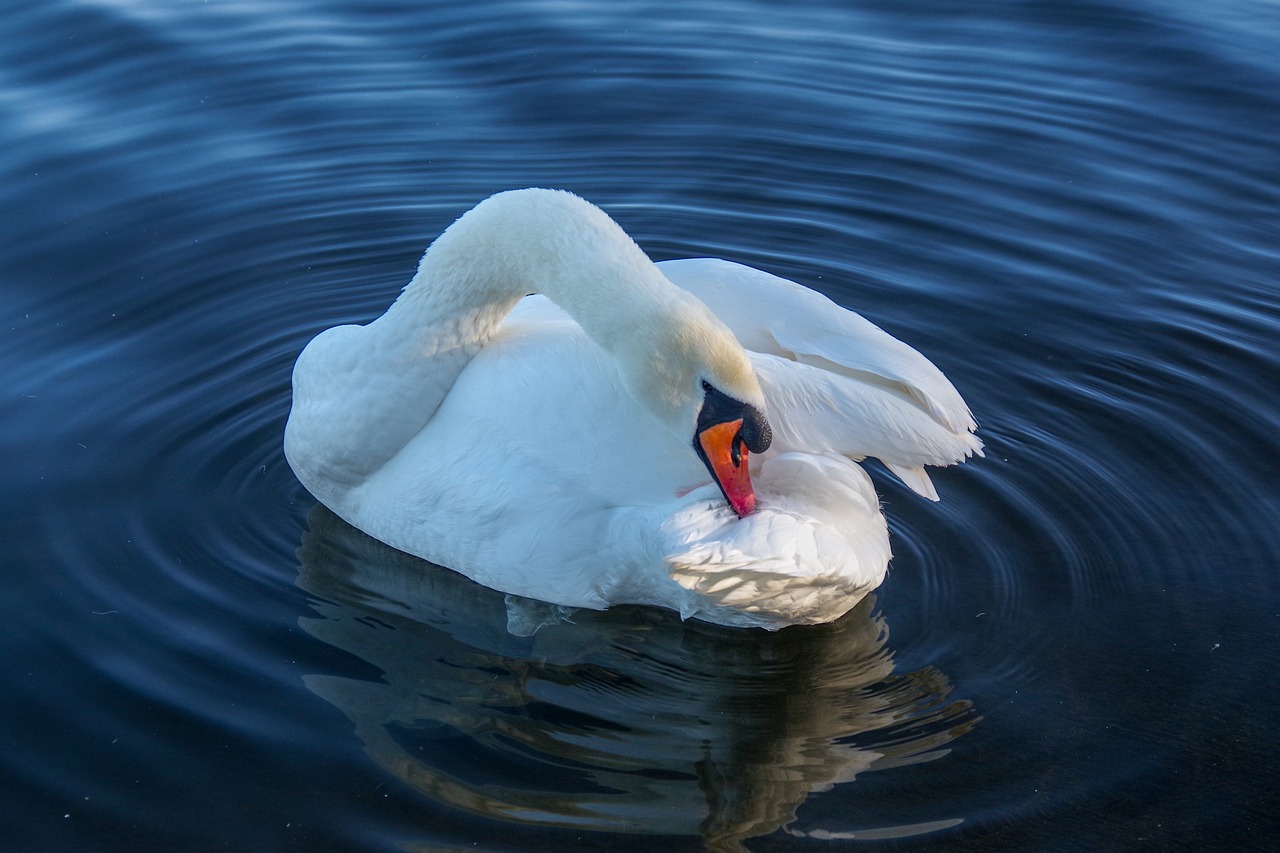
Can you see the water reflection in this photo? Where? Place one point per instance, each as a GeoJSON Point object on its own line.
{"type": "Point", "coordinates": [627, 721]}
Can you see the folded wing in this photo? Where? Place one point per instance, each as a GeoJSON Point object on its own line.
{"type": "Point", "coordinates": [834, 381]}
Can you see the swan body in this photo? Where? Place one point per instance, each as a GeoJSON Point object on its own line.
{"type": "Point", "coordinates": [547, 445]}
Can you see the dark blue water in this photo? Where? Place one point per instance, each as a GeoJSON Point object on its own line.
{"type": "Point", "coordinates": [1072, 208]}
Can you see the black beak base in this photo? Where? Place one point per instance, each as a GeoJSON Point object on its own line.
{"type": "Point", "coordinates": [718, 407]}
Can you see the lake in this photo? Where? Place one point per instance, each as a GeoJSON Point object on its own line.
{"type": "Point", "coordinates": [1073, 209]}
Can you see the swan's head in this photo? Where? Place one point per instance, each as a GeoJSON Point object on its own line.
{"type": "Point", "coordinates": [728, 431]}
{"type": "Point", "coordinates": [675, 357]}
{"type": "Point", "coordinates": [685, 366]}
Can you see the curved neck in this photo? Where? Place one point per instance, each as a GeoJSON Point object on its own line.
{"type": "Point", "coordinates": [388, 378]}
{"type": "Point", "coordinates": [529, 241]}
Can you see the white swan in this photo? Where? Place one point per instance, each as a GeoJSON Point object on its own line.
{"type": "Point", "coordinates": [602, 444]}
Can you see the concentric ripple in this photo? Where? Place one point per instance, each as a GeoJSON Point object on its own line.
{"type": "Point", "coordinates": [628, 721]}
{"type": "Point", "coordinates": [1071, 209]}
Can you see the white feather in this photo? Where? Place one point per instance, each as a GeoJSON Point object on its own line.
{"type": "Point", "coordinates": [545, 450]}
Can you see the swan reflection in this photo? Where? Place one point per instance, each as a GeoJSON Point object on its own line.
{"type": "Point", "coordinates": [623, 721]}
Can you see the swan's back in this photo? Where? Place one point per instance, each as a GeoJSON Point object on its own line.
{"type": "Point", "coordinates": [550, 456]}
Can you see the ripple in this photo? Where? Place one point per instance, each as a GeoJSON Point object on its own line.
{"type": "Point", "coordinates": [625, 721]}
{"type": "Point", "coordinates": [1070, 210]}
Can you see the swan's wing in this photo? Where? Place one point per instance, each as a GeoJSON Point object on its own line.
{"type": "Point", "coordinates": [815, 409]}
{"type": "Point", "coordinates": [834, 380]}
{"type": "Point", "coordinates": [773, 315]}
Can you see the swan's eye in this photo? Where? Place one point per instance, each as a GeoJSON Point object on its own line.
{"type": "Point", "coordinates": [728, 432]}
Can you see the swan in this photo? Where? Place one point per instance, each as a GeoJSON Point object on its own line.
{"type": "Point", "coordinates": [555, 416]}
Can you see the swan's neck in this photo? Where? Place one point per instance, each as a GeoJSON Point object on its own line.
{"type": "Point", "coordinates": [361, 393]}
{"type": "Point", "coordinates": [522, 242]}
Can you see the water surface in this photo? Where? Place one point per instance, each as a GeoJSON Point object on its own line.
{"type": "Point", "coordinates": [1073, 209]}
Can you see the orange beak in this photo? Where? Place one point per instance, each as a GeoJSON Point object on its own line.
{"type": "Point", "coordinates": [725, 454]}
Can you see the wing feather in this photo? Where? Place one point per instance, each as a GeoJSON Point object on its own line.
{"type": "Point", "coordinates": [833, 379]}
